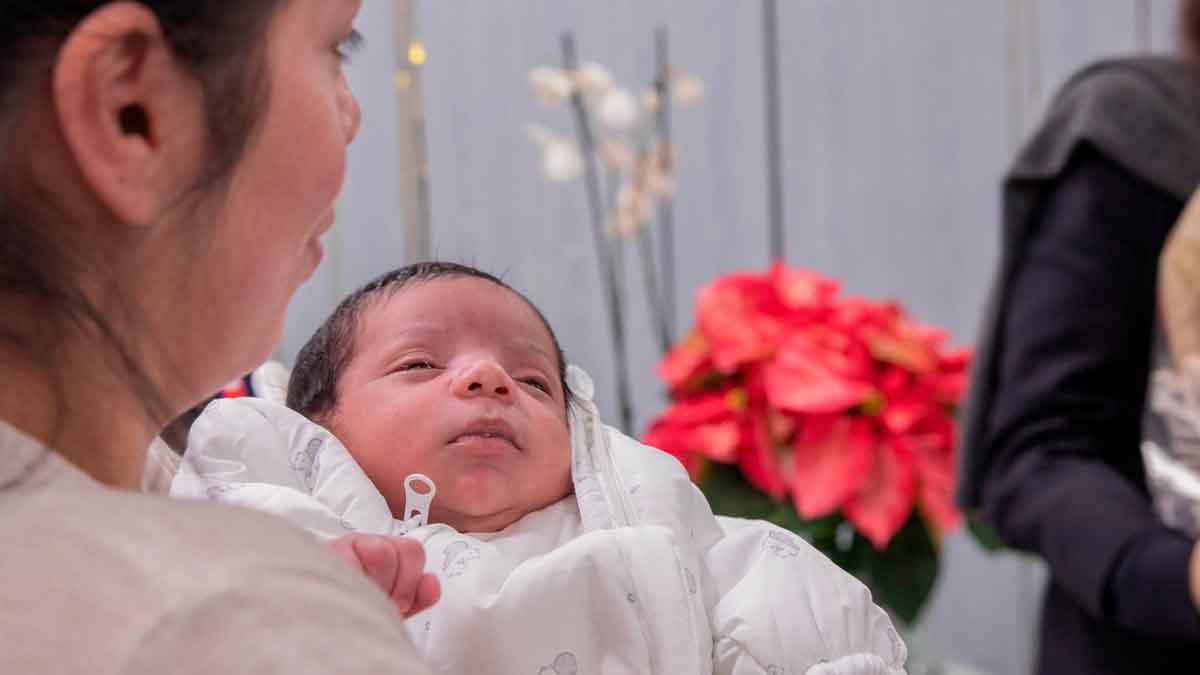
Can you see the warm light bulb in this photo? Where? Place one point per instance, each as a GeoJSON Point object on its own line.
{"type": "Point", "coordinates": [416, 53]}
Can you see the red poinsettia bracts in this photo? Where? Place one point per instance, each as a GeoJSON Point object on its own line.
{"type": "Point", "coordinates": [836, 403]}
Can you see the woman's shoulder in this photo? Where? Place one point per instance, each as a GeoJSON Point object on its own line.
{"type": "Point", "coordinates": [144, 576]}
{"type": "Point", "coordinates": [155, 544]}
{"type": "Point", "coordinates": [191, 544]}
{"type": "Point", "coordinates": [1141, 113]}
{"type": "Point", "coordinates": [1144, 82]}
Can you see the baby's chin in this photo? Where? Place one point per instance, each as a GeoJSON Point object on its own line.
{"type": "Point", "coordinates": [480, 501]}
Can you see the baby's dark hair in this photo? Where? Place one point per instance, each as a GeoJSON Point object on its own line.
{"type": "Point", "coordinates": [312, 389]}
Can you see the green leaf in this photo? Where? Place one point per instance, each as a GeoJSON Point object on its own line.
{"type": "Point", "coordinates": [729, 494]}
{"type": "Point", "coordinates": [902, 576]}
{"type": "Point", "coordinates": [984, 535]}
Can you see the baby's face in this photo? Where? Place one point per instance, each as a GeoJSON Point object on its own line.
{"type": "Point", "coordinates": [457, 378]}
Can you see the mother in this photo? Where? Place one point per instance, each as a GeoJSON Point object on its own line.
{"type": "Point", "coordinates": [166, 169]}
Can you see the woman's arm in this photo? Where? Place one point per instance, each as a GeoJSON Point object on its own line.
{"type": "Point", "coordinates": [280, 622]}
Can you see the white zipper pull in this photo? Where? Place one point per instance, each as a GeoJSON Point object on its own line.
{"type": "Point", "coordinates": [416, 504]}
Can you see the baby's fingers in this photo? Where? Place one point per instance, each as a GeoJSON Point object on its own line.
{"type": "Point", "coordinates": [409, 571]}
{"type": "Point", "coordinates": [429, 589]}
{"type": "Point", "coordinates": [396, 565]}
{"type": "Point", "coordinates": [344, 548]}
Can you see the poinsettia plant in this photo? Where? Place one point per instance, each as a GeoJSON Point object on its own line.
{"type": "Point", "coordinates": [831, 415]}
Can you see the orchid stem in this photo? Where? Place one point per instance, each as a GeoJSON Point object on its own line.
{"type": "Point", "coordinates": [604, 255]}
{"type": "Point", "coordinates": [654, 299]}
{"type": "Point", "coordinates": [666, 207]}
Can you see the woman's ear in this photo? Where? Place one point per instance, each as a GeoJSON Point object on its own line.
{"type": "Point", "coordinates": [130, 117]}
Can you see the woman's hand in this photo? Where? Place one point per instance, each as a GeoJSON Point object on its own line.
{"type": "Point", "coordinates": [396, 564]}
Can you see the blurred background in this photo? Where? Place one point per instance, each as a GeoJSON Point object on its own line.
{"type": "Point", "coordinates": [895, 124]}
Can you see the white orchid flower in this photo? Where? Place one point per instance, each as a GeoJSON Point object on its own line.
{"type": "Point", "coordinates": [561, 158]}
{"type": "Point", "coordinates": [651, 101]}
{"type": "Point", "coordinates": [661, 185]}
{"type": "Point", "coordinates": [659, 171]}
{"type": "Point", "coordinates": [552, 86]}
{"type": "Point", "coordinates": [634, 208]}
{"type": "Point", "coordinates": [686, 90]}
{"type": "Point", "coordinates": [562, 161]}
{"type": "Point", "coordinates": [616, 155]}
{"type": "Point", "coordinates": [618, 110]}
{"type": "Point", "coordinates": [593, 80]}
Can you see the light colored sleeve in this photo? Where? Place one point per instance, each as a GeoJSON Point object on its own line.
{"type": "Point", "coordinates": [290, 622]}
{"type": "Point", "coordinates": [780, 606]}
{"type": "Point", "coordinates": [161, 466]}
{"type": "Point", "coordinates": [1179, 284]}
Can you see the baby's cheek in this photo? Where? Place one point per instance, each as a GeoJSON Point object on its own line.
{"type": "Point", "coordinates": [388, 480]}
{"type": "Point", "coordinates": [562, 470]}
{"type": "Point", "coordinates": [384, 472]}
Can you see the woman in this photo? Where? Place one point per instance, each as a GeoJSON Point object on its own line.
{"type": "Point", "coordinates": [167, 169]}
{"type": "Point", "coordinates": [1055, 421]}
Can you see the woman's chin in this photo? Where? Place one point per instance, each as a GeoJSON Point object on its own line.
{"type": "Point", "coordinates": [315, 252]}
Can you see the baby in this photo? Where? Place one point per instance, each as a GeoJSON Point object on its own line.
{"type": "Point", "coordinates": [442, 370]}
{"type": "Point", "coordinates": [436, 403]}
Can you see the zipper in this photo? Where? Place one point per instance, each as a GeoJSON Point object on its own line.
{"type": "Point", "coordinates": [416, 503]}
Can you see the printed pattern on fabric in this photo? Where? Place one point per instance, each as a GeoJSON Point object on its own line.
{"type": "Point", "coordinates": [564, 664]}
{"type": "Point", "coordinates": [306, 462]}
{"type": "Point", "coordinates": [781, 545]}
{"type": "Point", "coordinates": [457, 557]}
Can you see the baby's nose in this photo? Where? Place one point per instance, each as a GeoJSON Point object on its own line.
{"type": "Point", "coordinates": [484, 377]}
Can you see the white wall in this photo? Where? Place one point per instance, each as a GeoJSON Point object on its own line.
{"type": "Point", "coordinates": [898, 120]}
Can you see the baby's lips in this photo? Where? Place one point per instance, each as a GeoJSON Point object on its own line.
{"type": "Point", "coordinates": [496, 426]}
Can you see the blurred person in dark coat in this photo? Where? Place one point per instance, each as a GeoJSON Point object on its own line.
{"type": "Point", "coordinates": [1057, 407]}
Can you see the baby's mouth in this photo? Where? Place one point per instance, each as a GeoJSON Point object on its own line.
{"type": "Point", "coordinates": [487, 432]}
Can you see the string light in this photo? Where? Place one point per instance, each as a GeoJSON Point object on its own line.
{"type": "Point", "coordinates": [416, 53]}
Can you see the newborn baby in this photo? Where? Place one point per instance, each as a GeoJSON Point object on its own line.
{"type": "Point", "coordinates": [435, 403]}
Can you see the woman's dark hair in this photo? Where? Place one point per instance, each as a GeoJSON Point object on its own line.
{"type": "Point", "coordinates": [1189, 28]}
{"type": "Point", "coordinates": [221, 44]}
{"type": "Point", "coordinates": [312, 390]}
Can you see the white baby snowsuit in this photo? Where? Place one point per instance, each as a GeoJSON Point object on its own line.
{"type": "Point", "coordinates": [630, 574]}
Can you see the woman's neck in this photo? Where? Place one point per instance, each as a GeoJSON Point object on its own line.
{"type": "Point", "coordinates": [84, 413]}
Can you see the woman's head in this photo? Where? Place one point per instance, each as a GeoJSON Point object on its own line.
{"type": "Point", "coordinates": [166, 167]}
{"type": "Point", "coordinates": [441, 369]}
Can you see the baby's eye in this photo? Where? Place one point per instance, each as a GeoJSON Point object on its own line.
{"type": "Point", "coordinates": [415, 365]}
{"type": "Point", "coordinates": [537, 383]}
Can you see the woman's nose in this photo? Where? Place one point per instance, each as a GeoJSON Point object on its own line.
{"type": "Point", "coordinates": [484, 377]}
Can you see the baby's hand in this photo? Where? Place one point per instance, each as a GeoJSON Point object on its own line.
{"type": "Point", "coordinates": [395, 563]}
